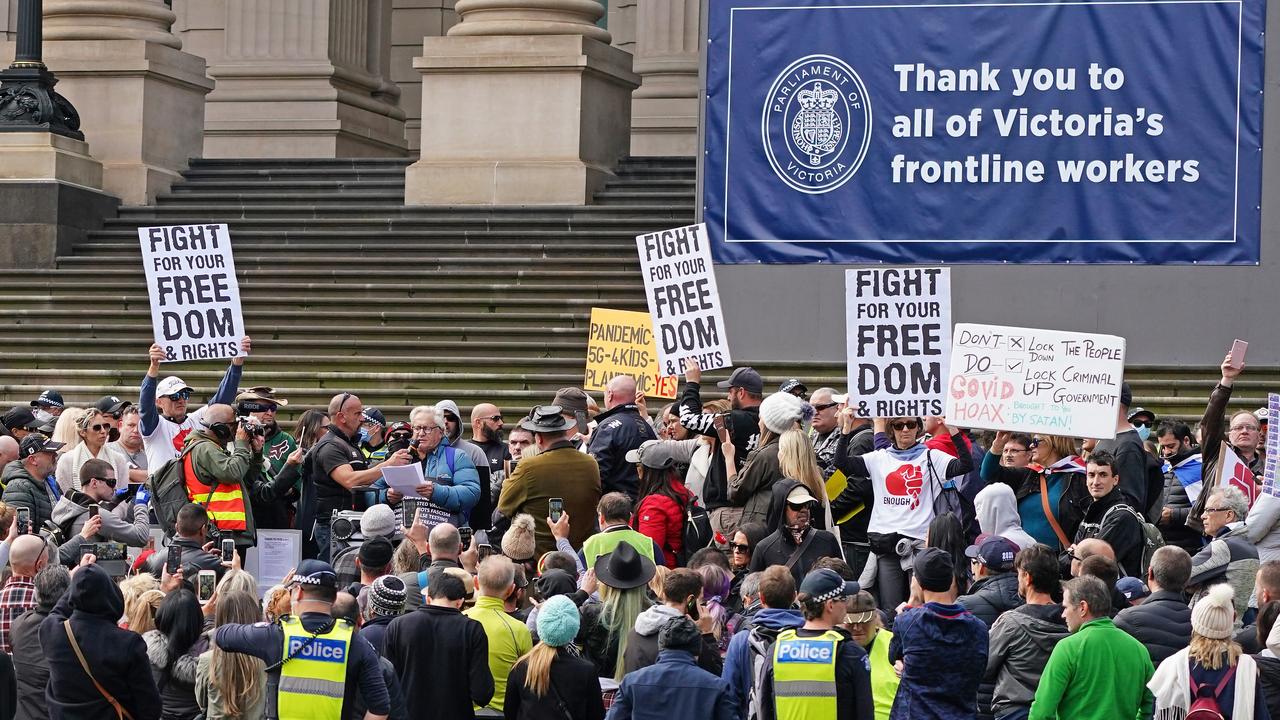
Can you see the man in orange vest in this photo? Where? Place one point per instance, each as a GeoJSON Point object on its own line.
{"type": "Point", "coordinates": [222, 481]}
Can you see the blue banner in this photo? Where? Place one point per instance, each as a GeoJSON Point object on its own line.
{"type": "Point", "coordinates": [1111, 131]}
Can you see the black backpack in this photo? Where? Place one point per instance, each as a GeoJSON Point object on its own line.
{"type": "Point", "coordinates": [697, 531]}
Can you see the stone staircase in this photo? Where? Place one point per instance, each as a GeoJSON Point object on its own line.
{"type": "Point", "coordinates": [345, 288]}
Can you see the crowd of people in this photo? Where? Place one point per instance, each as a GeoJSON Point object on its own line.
{"type": "Point", "coordinates": [768, 555]}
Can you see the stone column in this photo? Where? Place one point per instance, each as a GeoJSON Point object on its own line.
{"type": "Point", "coordinates": [304, 78]}
{"type": "Point", "coordinates": [664, 114]}
{"type": "Point", "coordinates": [141, 99]}
{"type": "Point", "coordinates": [523, 103]}
{"type": "Point", "coordinates": [412, 21]}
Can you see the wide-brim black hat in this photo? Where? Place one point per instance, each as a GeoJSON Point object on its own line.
{"type": "Point", "coordinates": [624, 568]}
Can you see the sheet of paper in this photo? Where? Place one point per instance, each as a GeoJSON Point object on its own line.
{"type": "Point", "coordinates": [277, 552]}
{"type": "Point", "coordinates": [404, 479]}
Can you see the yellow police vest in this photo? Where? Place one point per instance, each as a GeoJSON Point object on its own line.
{"type": "Point", "coordinates": [804, 676]}
{"type": "Point", "coordinates": [313, 682]}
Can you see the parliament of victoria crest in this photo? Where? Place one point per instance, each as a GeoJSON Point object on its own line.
{"type": "Point", "coordinates": [816, 124]}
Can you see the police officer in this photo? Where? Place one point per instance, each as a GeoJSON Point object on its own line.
{"type": "Point", "coordinates": [315, 664]}
{"type": "Point", "coordinates": [817, 672]}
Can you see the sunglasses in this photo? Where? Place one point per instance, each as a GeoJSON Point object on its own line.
{"type": "Point", "coordinates": [109, 482]}
{"type": "Point", "coordinates": [1035, 443]}
{"type": "Point", "coordinates": [183, 395]}
{"type": "Point", "coordinates": [907, 425]}
{"type": "Point", "coordinates": [100, 428]}
{"type": "Point", "coordinates": [494, 418]}
{"type": "Point", "coordinates": [798, 508]}
{"type": "Point", "coordinates": [1141, 423]}
{"type": "Point", "coordinates": [735, 547]}
{"type": "Point", "coordinates": [825, 406]}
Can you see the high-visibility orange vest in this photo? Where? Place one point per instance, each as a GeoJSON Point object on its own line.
{"type": "Point", "coordinates": [223, 501]}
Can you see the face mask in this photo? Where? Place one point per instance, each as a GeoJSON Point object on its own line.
{"type": "Point", "coordinates": [363, 437]}
{"type": "Point", "coordinates": [1143, 432]}
{"type": "Point", "coordinates": [42, 416]}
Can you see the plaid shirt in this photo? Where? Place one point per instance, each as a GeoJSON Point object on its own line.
{"type": "Point", "coordinates": [17, 597]}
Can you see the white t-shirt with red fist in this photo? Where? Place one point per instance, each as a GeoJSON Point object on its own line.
{"type": "Point", "coordinates": [904, 491]}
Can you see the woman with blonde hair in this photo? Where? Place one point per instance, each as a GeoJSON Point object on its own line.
{"type": "Point", "coordinates": [276, 603]}
{"type": "Point", "coordinates": [142, 598]}
{"type": "Point", "coordinates": [92, 430]}
{"type": "Point", "coordinates": [550, 680]}
{"type": "Point", "coordinates": [798, 462]}
{"type": "Point", "coordinates": [232, 685]}
{"type": "Point", "coordinates": [64, 431]}
{"type": "Point", "coordinates": [1212, 666]}
{"type": "Point", "coordinates": [752, 486]}
{"type": "Point", "coordinates": [623, 577]}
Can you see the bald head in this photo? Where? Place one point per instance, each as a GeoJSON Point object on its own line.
{"type": "Point", "coordinates": [1086, 549]}
{"type": "Point", "coordinates": [484, 410]}
{"type": "Point", "coordinates": [219, 413]}
{"type": "Point", "coordinates": [8, 449]}
{"type": "Point", "coordinates": [620, 391]}
{"type": "Point", "coordinates": [496, 576]}
{"type": "Point", "coordinates": [445, 542]}
{"type": "Point", "coordinates": [27, 555]}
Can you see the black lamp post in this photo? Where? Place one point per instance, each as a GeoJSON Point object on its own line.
{"type": "Point", "coordinates": [28, 102]}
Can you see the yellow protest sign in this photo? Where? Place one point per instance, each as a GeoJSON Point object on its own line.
{"type": "Point", "coordinates": [836, 485]}
{"type": "Point", "coordinates": [620, 342]}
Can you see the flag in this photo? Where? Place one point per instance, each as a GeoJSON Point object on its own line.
{"type": "Point", "coordinates": [1233, 472]}
{"type": "Point", "coordinates": [1188, 473]}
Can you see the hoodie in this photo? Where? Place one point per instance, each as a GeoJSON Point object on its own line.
{"type": "Point", "coordinates": [642, 644]}
{"type": "Point", "coordinates": [1020, 644]}
{"type": "Point", "coordinates": [93, 604]}
{"type": "Point", "coordinates": [778, 547]}
{"type": "Point", "coordinates": [739, 660]}
{"type": "Point", "coordinates": [483, 510]}
{"type": "Point", "coordinates": [997, 510]}
{"type": "Point", "coordinates": [944, 651]}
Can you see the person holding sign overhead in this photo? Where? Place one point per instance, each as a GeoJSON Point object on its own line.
{"type": "Point", "coordinates": [910, 486]}
{"type": "Point", "coordinates": [1050, 491]}
{"type": "Point", "coordinates": [163, 405]}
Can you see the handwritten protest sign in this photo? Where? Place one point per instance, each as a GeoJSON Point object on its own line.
{"type": "Point", "coordinates": [195, 299]}
{"type": "Point", "coordinates": [899, 339]}
{"type": "Point", "coordinates": [680, 285]}
{"type": "Point", "coordinates": [621, 342]}
{"type": "Point", "coordinates": [1029, 380]}
{"type": "Point", "coordinates": [1273, 445]}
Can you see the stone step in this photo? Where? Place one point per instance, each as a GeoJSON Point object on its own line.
{"type": "Point", "coordinates": [333, 200]}
{"type": "Point", "coordinates": [270, 163]}
{"type": "Point", "coordinates": [508, 252]}
{"type": "Point", "coordinates": [371, 318]}
{"type": "Point", "coordinates": [472, 347]}
{"type": "Point", "coordinates": [393, 263]}
{"type": "Point", "coordinates": [497, 303]}
{"type": "Point", "coordinates": [642, 197]}
{"type": "Point", "coordinates": [323, 334]}
{"type": "Point", "coordinates": [369, 235]}
{"type": "Point", "coordinates": [513, 223]}
{"type": "Point", "coordinates": [200, 213]}
{"type": "Point", "coordinates": [354, 186]}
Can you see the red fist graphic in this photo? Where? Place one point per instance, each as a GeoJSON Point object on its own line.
{"type": "Point", "coordinates": [907, 480]}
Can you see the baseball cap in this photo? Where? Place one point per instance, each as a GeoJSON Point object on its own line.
{"type": "Point", "coordinates": [315, 573]}
{"type": "Point", "coordinates": [995, 552]}
{"type": "Point", "coordinates": [373, 415]}
{"type": "Point", "coordinates": [49, 398]}
{"type": "Point", "coordinates": [654, 454]}
{"type": "Point", "coordinates": [37, 443]}
{"type": "Point", "coordinates": [1132, 588]}
{"type": "Point", "coordinates": [172, 385]}
{"type": "Point", "coordinates": [840, 398]}
{"type": "Point", "coordinates": [933, 569]}
{"type": "Point", "coordinates": [826, 584]}
{"type": "Point", "coordinates": [1135, 412]}
{"type": "Point", "coordinates": [746, 378]}
{"type": "Point", "coordinates": [19, 418]}
{"type": "Point", "coordinates": [793, 386]}
{"type": "Point", "coordinates": [800, 495]}
{"type": "Point", "coordinates": [111, 404]}
{"type": "Point", "coordinates": [861, 608]}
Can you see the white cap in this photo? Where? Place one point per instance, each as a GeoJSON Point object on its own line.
{"type": "Point", "coordinates": [800, 495]}
{"type": "Point", "coordinates": [171, 385]}
{"type": "Point", "coordinates": [842, 399]}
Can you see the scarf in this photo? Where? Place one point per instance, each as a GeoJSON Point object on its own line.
{"type": "Point", "coordinates": [1171, 686]}
{"type": "Point", "coordinates": [908, 455]}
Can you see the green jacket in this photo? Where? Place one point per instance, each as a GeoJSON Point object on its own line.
{"type": "Point", "coordinates": [509, 639]}
{"type": "Point", "coordinates": [242, 465]}
{"type": "Point", "coordinates": [1099, 672]}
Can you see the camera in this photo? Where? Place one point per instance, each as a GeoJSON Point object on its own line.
{"type": "Point", "coordinates": [252, 426]}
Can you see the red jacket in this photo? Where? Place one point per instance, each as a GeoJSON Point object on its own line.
{"type": "Point", "coordinates": [662, 519]}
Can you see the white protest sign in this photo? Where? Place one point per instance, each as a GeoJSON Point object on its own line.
{"type": "Point", "coordinates": [899, 339]}
{"type": "Point", "coordinates": [1273, 444]}
{"type": "Point", "coordinates": [277, 552]}
{"type": "Point", "coordinates": [195, 299]}
{"type": "Point", "coordinates": [680, 286]}
{"type": "Point", "coordinates": [1029, 380]}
